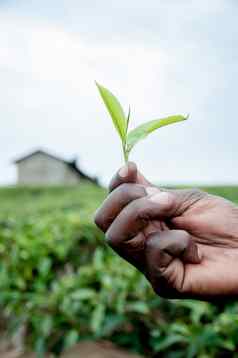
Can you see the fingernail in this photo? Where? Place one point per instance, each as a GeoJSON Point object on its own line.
{"type": "Point", "coordinates": [199, 255]}
{"type": "Point", "coordinates": [161, 198]}
{"type": "Point", "coordinates": [123, 172]}
{"type": "Point", "coordinates": [151, 190]}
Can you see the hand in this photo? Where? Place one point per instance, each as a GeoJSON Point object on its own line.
{"type": "Point", "coordinates": [184, 241]}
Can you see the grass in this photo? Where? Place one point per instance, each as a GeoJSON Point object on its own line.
{"type": "Point", "coordinates": [228, 192]}
{"type": "Point", "coordinates": [22, 201]}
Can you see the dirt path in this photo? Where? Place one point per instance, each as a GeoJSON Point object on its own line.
{"type": "Point", "coordinates": [81, 350]}
{"type": "Point", "coordinates": [97, 350]}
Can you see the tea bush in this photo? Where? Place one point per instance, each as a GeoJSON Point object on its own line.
{"type": "Point", "coordinates": [60, 281]}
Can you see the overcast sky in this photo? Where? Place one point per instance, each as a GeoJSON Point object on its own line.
{"type": "Point", "coordinates": [161, 57]}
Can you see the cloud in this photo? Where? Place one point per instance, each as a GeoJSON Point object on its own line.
{"type": "Point", "coordinates": [162, 59]}
{"type": "Point", "coordinates": [48, 86]}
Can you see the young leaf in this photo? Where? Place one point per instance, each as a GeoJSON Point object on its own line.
{"type": "Point", "coordinates": [128, 119]}
{"type": "Point", "coordinates": [115, 109]}
{"type": "Point", "coordinates": [143, 130]}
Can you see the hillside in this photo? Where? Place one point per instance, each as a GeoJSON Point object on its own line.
{"type": "Point", "coordinates": [42, 200]}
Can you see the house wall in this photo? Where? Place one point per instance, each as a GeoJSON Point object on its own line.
{"type": "Point", "coordinates": [40, 169]}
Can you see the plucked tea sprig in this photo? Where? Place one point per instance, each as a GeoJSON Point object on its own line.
{"type": "Point", "coordinates": [121, 122]}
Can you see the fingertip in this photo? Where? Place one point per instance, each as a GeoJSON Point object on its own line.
{"type": "Point", "coordinates": [126, 174]}
{"type": "Point", "coordinates": [129, 170]}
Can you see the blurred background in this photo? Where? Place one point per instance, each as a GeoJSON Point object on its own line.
{"type": "Point", "coordinates": [160, 57]}
{"type": "Point", "coordinates": [59, 283]}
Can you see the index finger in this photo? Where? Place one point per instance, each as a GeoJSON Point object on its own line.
{"type": "Point", "coordinates": [116, 201]}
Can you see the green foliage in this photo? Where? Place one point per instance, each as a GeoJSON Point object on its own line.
{"type": "Point", "coordinates": [145, 129]}
{"type": "Point", "coordinates": [121, 123]}
{"type": "Point", "coordinates": [59, 279]}
{"type": "Point", "coordinates": [115, 109]}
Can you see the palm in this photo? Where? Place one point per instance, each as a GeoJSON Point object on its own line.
{"type": "Point", "coordinates": [207, 221]}
{"type": "Point", "coordinates": [205, 217]}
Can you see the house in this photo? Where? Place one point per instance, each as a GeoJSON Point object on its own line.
{"type": "Point", "coordinates": [43, 168]}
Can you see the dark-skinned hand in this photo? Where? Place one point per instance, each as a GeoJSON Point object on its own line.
{"type": "Point", "coordinates": [184, 241]}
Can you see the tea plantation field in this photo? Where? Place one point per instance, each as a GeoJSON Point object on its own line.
{"type": "Point", "coordinates": [61, 283]}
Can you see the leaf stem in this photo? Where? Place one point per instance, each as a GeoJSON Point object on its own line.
{"type": "Point", "coordinates": [125, 153]}
{"type": "Point", "coordinates": [124, 143]}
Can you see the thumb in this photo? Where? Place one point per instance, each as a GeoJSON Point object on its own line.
{"type": "Point", "coordinates": [127, 174]}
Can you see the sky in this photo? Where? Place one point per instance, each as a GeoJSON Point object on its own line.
{"type": "Point", "coordinates": [160, 57]}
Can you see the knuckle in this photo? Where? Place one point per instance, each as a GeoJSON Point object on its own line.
{"type": "Point", "coordinates": [196, 194]}
{"type": "Point", "coordinates": [141, 210]}
{"type": "Point", "coordinates": [187, 198]}
{"type": "Point", "coordinates": [124, 190]}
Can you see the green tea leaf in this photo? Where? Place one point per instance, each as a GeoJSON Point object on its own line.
{"type": "Point", "coordinates": [116, 111]}
{"type": "Point", "coordinates": [144, 129]}
{"type": "Point", "coordinates": [128, 119]}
